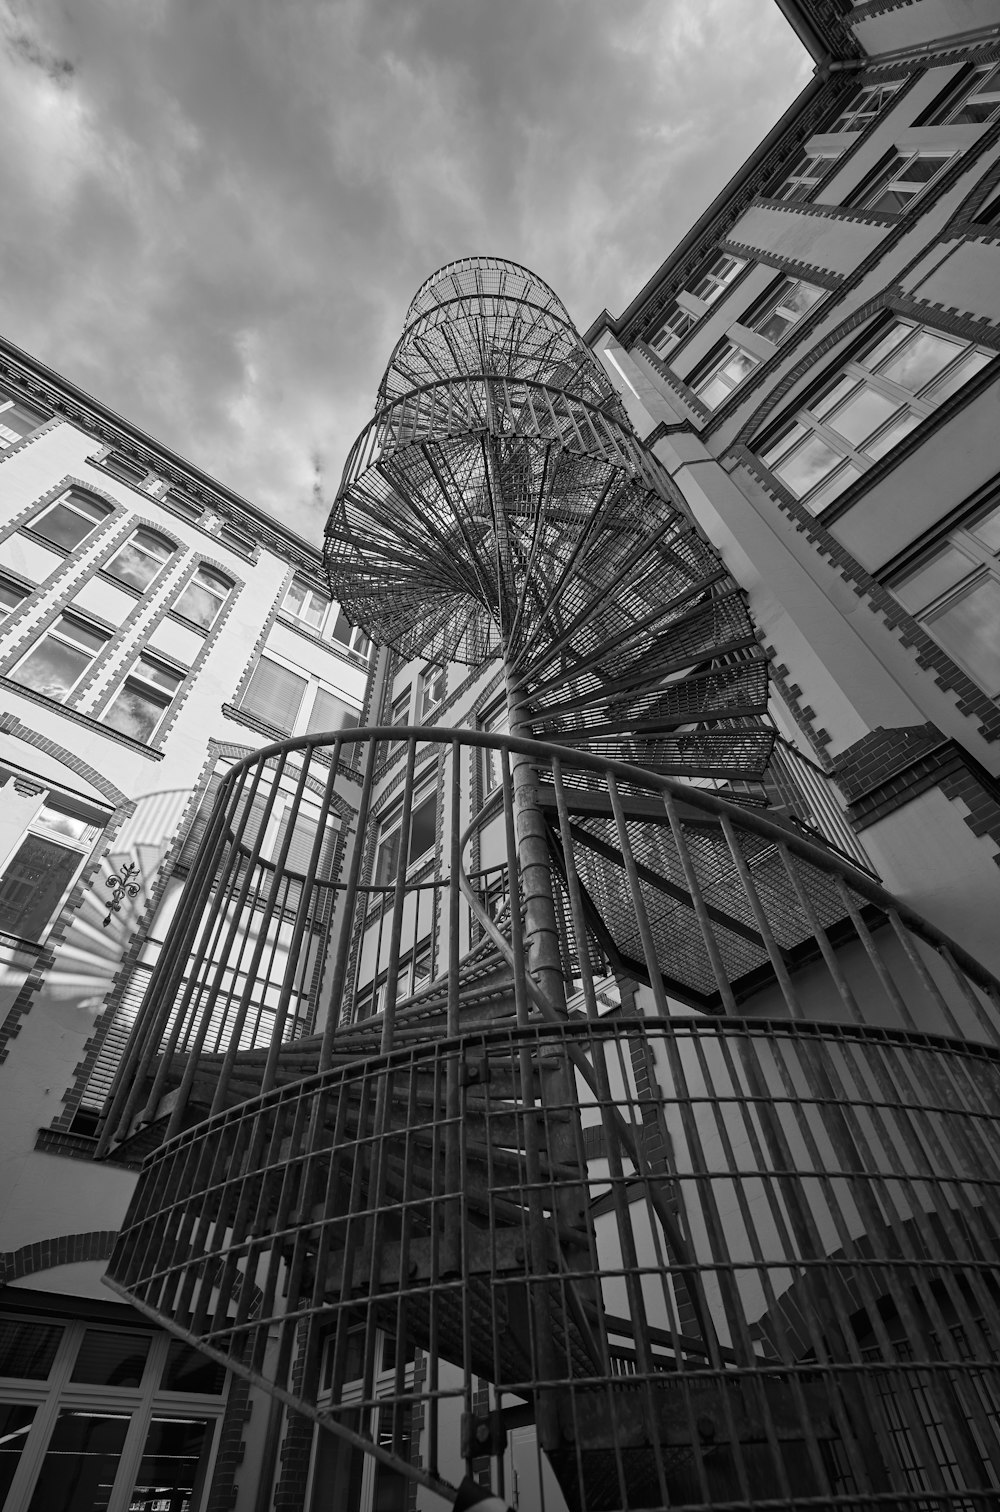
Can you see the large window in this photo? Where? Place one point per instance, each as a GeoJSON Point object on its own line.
{"type": "Point", "coordinates": [17, 419]}
{"type": "Point", "coordinates": [70, 519]}
{"type": "Point", "coordinates": [140, 559]}
{"type": "Point", "coordinates": [872, 403]}
{"type": "Point", "coordinates": [95, 1416]}
{"type": "Point", "coordinates": [203, 598]}
{"type": "Point", "coordinates": [59, 659]}
{"type": "Point", "coordinates": [350, 636]}
{"type": "Point", "coordinates": [806, 176]}
{"type": "Point", "coordinates": [865, 105]}
{"type": "Point", "coordinates": [971, 100]}
{"type": "Point", "coordinates": [141, 703]}
{"type": "Point", "coordinates": [12, 593]}
{"type": "Point", "coordinates": [955, 593]}
{"type": "Point", "coordinates": [899, 179]}
{"type": "Point", "coordinates": [714, 280]}
{"type": "Point", "coordinates": [58, 835]}
{"type": "Point", "coordinates": [676, 326]}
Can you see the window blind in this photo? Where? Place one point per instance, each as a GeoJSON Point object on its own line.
{"type": "Point", "coordinates": [275, 694]}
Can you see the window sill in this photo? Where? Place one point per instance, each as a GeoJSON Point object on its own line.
{"type": "Point", "coordinates": [67, 712]}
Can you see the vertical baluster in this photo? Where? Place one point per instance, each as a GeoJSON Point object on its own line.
{"type": "Point", "coordinates": [348, 912]}
{"type": "Point", "coordinates": [774, 951]}
{"type": "Point", "coordinates": [700, 911]}
{"type": "Point", "coordinates": [638, 902]}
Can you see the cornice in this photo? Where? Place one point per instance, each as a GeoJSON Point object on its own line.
{"type": "Point", "coordinates": [56, 393]}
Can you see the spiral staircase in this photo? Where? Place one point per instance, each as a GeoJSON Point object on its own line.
{"type": "Point", "coordinates": [682, 1149]}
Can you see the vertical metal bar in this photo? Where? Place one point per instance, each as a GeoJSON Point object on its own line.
{"type": "Point", "coordinates": [892, 992]}
{"type": "Point", "coordinates": [819, 934]}
{"type": "Point", "coordinates": [638, 902]}
{"type": "Point", "coordinates": [348, 911]}
{"type": "Point", "coordinates": [698, 900]}
{"type": "Point", "coordinates": [398, 902]}
{"type": "Point", "coordinates": [774, 952]}
{"type": "Point", "coordinates": [926, 980]}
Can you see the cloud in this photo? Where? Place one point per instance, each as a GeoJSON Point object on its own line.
{"type": "Point", "coordinates": [215, 216]}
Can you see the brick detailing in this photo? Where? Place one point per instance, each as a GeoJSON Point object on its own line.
{"type": "Point", "coordinates": [803, 714]}
{"type": "Point", "coordinates": [970, 698]}
{"type": "Point", "coordinates": [232, 1446]}
{"type": "Point", "coordinates": [61, 1249]}
{"type": "Point", "coordinates": [980, 797]}
{"type": "Point", "coordinates": [17, 446]}
{"type": "Point", "coordinates": [76, 717]}
{"type": "Point", "coordinates": [880, 754]}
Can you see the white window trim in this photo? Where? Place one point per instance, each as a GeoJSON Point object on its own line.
{"type": "Point", "coordinates": [68, 499]}
{"type": "Point", "coordinates": [313, 681]}
{"type": "Point", "coordinates": [984, 565]}
{"type": "Point", "coordinates": [715, 370]}
{"type": "Point", "coordinates": [882, 181]}
{"type": "Point", "coordinates": [799, 185]}
{"type": "Point", "coordinates": [192, 582]}
{"type": "Point", "coordinates": [131, 539]}
{"type": "Point", "coordinates": [967, 91]}
{"type": "Point", "coordinates": [856, 106]}
{"type": "Point", "coordinates": [52, 629]}
{"type": "Point", "coordinates": [135, 677]}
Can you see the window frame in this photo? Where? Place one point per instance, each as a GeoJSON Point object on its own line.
{"type": "Point", "coordinates": [961, 92]}
{"type": "Point", "coordinates": [11, 401]}
{"type": "Point", "coordinates": [131, 540]}
{"type": "Point", "coordinates": [883, 180]}
{"type": "Point", "coordinates": [433, 676]}
{"type": "Point", "coordinates": [391, 825]}
{"type": "Point", "coordinates": [208, 570]}
{"type": "Point", "coordinates": [21, 588]}
{"type": "Point", "coordinates": [66, 500]}
{"type": "Point", "coordinates": [858, 457]}
{"type": "Point", "coordinates": [771, 301]}
{"type": "Point", "coordinates": [82, 846]}
{"type": "Point", "coordinates": [299, 614]}
{"type": "Point", "coordinates": [142, 1405]}
{"type": "Point", "coordinates": [713, 370]}
{"type": "Point", "coordinates": [798, 186]}
{"type": "Point", "coordinates": [52, 629]}
{"type": "Point", "coordinates": [138, 683]}
{"type": "Point", "coordinates": [983, 567]}
{"type": "Point", "coordinates": [852, 110]}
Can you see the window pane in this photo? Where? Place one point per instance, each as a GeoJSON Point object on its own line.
{"type": "Point", "coordinates": [888, 344]}
{"type": "Point", "coordinates": [135, 712]}
{"type": "Point", "coordinates": [970, 630]}
{"type": "Point", "coordinates": [52, 668]}
{"type": "Point", "coordinates": [69, 521]}
{"type": "Point", "coordinates": [161, 676]}
{"type": "Point", "coordinates": [920, 360]}
{"type": "Point", "coordinates": [387, 861]}
{"type": "Point", "coordinates": [893, 434]}
{"type": "Point", "coordinates": [33, 884]}
{"type": "Point", "coordinates": [423, 828]}
{"type": "Point", "coordinates": [833, 487]}
{"type": "Point", "coordinates": [188, 1369]}
{"type": "Point", "coordinates": [111, 1359]}
{"type": "Point", "coordinates": [199, 603]}
{"type": "Point", "coordinates": [935, 577]}
{"type": "Point", "coordinates": [785, 440]}
{"type": "Point", "coordinates": [921, 169]}
{"type": "Point", "coordinates": [824, 403]}
{"type": "Point", "coordinates": [15, 1421]}
{"type": "Point", "coordinates": [139, 560]}
{"type": "Point", "coordinates": [807, 465]}
{"type": "Point", "coordinates": [173, 1464]}
{"type": "Point", "coordinates": [28, 1349]}
{"type": "Point", "coordinates": [81, 1463]}
{"type": "Point", "coordinates": [11, 594]}
{"type": "Point", "coordinates": [863, 413]}
{"type": "Point", "coordinates": [275, 694]}
{"type": "Point", "coordinates": [953, 380]}
{"type": "Point", "coordinates": [987, 529]}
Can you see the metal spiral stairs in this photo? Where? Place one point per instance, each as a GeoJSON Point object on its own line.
{"type": "Point", "coordinates": [679, 1151]}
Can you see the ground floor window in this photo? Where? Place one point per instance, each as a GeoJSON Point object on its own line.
{"type": "Point", "coordinates": [98, 1417]}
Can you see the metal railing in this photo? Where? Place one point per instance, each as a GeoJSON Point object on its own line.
{"type": "Point", "coordinates": [728, 1245]}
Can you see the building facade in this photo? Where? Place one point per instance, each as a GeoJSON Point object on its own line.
{"type": "Point", "coordinates": [784, 1282]}
{"type": "Point", "coordinates": [155, 629]}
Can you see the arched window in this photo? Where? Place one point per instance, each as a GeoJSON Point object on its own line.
{"type": "Point", "coordinates": [140, 559]}
{"type": "Point", "coordinates": [70, 519]}
{"type": "Point", "coordinates": [204, 597]}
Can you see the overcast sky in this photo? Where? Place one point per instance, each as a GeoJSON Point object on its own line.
{"type": "Point", "coordinates": [213, 212]}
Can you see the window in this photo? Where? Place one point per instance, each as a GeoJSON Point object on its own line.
{"type": "Point", "coordinates": [17, 419]}
{"type": "Point", "coordinates": [61, 657]}
{"type": "Point", "coordinates": [864, 106]}
{"type": "Point", "coordinates": [715, 380]}
{"type": "Point", "coordinates": [275, 693]}
{"type": "Point", "coordinates": [399, 709]}
{"type": "Point", "coordinates": [71, 519]}
{"type": "Point", "coordinates": [716, 278]}
{"type": "Point", "coordinates": [330, 712]}
{"type": "Point", "coordinates": [955, 593]}
{"type": "Point", "coordinates": [349, 635]}
{"type": "Point", "coordinates": [58, 835]}
{"type": "Point", "coordinates": [140, 559]}
{"type": "Point", "coordinates": [413, 975]}
{"type": "Point", "coordinates": [236, 541]}
{"type": "Point", "coordinates": [97, 1417]}
{"type": "Point", "coordinates": [971, 100]}
{"type": "Point", "coordinates": [11, 594]}
{"type": "Point", "coordinates": [423, 832]}
{"type": "Point", "coordinates": [138, 707]}
{"type": "Point", "coordinates": [676, 326]}
{"type": "Point", "coordinates": [782, 307]}
{"type": "Point", "coordinates": [431, 690]}
{"type": "Point", "coordinates": [898, 180]}
{"type": "Point", "coordinates": [495, 721]}
{"type": "Point", "coordinates": [306, 604]}
{"type": "Point", "coordinates": [875, 400]}
{"type": "Point", "coordinates": [988, 213]}
{"type": "Point", "coordinates": [807, 175]}
{"type": "Point", "coordinates": [204, 597]}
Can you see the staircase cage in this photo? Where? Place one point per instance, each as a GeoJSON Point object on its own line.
{"type": "Point", "coordinates": [718, 1219]}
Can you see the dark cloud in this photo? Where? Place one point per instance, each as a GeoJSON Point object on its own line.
{"type": "Point", "coordinates": [214, 217]}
